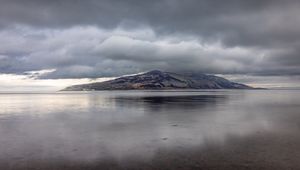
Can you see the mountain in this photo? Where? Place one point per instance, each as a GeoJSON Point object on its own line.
{"type": "Point", "coordinates": [161, 80]}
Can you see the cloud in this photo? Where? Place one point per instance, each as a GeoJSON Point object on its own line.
{"type": "Point", "coordinates": [91, 52]}
{"type": "Point", "coordinates": [236, 22]}
{"type": "Point", "coordinates": [100, 38]}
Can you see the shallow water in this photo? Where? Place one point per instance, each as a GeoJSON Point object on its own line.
{"type": "Point", "coordinates": [212, 129]}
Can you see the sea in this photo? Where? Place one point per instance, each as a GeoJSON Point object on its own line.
{"type": "Point", "coordinates": [151, 129]}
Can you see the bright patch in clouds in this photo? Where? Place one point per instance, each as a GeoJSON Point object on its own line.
{"type": "Point", "coordinates": [28, 82]}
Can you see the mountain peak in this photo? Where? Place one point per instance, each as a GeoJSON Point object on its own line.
{"type": "Point", "coordinates": [154, 72]}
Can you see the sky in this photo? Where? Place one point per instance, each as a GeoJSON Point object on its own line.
{"type": "Point", "coordinates": [47, 45]}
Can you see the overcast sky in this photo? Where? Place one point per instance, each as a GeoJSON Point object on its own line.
{"type": "Point", "coordinates": [53, 43]}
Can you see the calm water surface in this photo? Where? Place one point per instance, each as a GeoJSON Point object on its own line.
{"type": "Point", "coordinates": [222, 129]}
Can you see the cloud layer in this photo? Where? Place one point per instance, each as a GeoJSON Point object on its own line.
{"type": "Point", "coordinates": [101, 38]}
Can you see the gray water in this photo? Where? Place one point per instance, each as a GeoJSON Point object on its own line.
{"type": "Point", "coordinates": [214, 129]}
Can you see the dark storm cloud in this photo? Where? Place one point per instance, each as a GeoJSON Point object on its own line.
{"type": "Point", "coordinates": [233, 20]}
{"type": "Point", "coordinates": [79, 38]}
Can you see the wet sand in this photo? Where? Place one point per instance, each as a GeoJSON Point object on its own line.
{"type": "Point", "coordinates": [186, 130]}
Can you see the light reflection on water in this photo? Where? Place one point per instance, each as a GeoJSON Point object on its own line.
{"type": "Point", "coordinates": [87, 126]}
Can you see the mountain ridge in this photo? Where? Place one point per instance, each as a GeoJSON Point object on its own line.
{"type": "Point", "coordinates": [157, 79]}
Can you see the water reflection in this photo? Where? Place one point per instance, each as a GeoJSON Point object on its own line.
{"type": "Point", "coordinates": [177, 103]}
{"type": "Point", "coordinates": [122, 125]}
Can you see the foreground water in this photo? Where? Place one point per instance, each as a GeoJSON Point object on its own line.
{"type": "Point", "coordinates": [221, 129]}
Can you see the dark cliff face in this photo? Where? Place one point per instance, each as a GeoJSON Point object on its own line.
{"type": "Point", "coordinates": [161, 80]}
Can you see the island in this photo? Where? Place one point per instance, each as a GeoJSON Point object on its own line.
{"type": "Point", "coordinates": [156, 80]}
